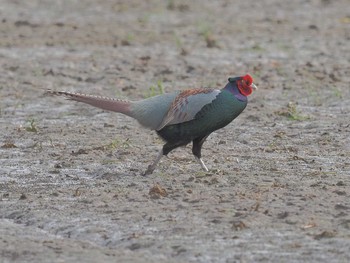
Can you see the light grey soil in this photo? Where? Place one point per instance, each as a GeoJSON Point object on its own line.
{"type": "Point", "coordinates": [70, 184]}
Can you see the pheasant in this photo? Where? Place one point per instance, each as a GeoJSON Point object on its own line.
{"type": "Point", "coordinates": [180, 117]}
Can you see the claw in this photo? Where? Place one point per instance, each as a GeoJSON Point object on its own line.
{"type": "Point", "coordinates": [149, 170]}
{"type": "Point", "coordinates": [153, 166]}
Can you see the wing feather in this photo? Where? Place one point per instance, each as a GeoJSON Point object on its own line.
{"type": "Point", "coordinates": [187, 104]}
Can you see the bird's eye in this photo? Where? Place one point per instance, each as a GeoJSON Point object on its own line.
{"type": "Point", "coordinates": [245, 82]}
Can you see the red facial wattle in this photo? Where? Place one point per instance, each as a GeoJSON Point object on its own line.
{"type": "Point", "coordinates": [245, 85]}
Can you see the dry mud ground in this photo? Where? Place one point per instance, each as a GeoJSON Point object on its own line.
{"type": "Point", "coordinates": [70, 184]}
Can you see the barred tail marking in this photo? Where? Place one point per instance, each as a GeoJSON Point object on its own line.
{"type": "Point", "coordinates": [110, 104]}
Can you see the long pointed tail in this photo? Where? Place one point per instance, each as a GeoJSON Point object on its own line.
{"type": "Point", "coordinates": [110, 104]}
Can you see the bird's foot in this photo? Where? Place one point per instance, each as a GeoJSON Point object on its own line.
{"type": "Point", "coordinates": [153, 166]}
{"type": "Point", "coordinates": [202, 164]}
{"type": "Point", "coordinates": [149, 170]}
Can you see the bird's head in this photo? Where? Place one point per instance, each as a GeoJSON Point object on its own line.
{"type": "Point", "coordinates": [244, 84]}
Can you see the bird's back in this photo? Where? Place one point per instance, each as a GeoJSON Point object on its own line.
{"type": "Point", "coordinates": [150, 112]}
{"type": "Point", "coordinates": [213, 116]}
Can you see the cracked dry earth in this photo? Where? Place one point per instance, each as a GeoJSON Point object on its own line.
{"type": "Point", "coordinates": [70, 184]}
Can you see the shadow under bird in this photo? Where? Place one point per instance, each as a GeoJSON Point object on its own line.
{"type": "Point", "coordinates": [180, 117]}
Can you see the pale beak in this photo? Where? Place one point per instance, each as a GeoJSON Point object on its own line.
{"type": "Point", "coordinates": [254, 86]}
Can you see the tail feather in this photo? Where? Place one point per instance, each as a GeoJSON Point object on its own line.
{"type": "Point", "coordinates": [110, 104]}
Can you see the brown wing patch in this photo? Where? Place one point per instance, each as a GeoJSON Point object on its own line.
{"type": "Point", "coordinates": [190, 92]}
{"type": "Point", "coordinates": [176, 109]}
{"type": "Point", "coordinates": [182, 97]}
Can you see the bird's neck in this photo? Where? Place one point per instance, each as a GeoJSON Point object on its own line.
{"type": "Point", "coordinates": [232, 88]}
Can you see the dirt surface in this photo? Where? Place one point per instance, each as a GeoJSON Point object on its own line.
{"type": "Point", "coordinates": [70, 184]}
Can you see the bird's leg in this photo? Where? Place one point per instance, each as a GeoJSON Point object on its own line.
{"type": "Point", "coordinates": [153, 166]}
{"type": "Point", "coordinates": [196, 150]}
{"type": "Point", "coordinates": [202, 164]}
{"type": "Point", "coordinates": [167, 148]}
